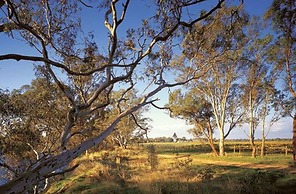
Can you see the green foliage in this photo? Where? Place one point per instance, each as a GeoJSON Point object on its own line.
{"type": "Point", "coordinates": [287, 182]}
{"type": "Point", "coordinates": [174, 187]}
{"type": "Point", "coordinates": [191, 107]}
{"type": "Point", "coordinates": [217, 51]}
{"type": "Point", "coordinates": [206, 173]}
{"type": "Point", "coordinates": [281, 14]}
{"type": "Point", "coordinates": [258, 181]}
{"type": "Point", "coordinates": [31, 115]}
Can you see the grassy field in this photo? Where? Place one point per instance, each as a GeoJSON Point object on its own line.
{"type": "Point", "coordinates": [179, 168]}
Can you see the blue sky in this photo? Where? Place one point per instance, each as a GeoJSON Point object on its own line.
{"type": "Point", "coordinates": [14, 74]}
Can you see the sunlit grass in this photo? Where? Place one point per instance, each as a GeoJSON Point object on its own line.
{"type": "Point", "coordinates": [275, 159]}
{"type": "Point", "coordinates": [179, 170]}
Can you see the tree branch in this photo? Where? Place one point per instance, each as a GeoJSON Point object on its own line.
{"type": "Point", "coordinates": [161, 108]}
{"type": "Point", "coordinates": [62, 172]}
{"type": "Point", "coordinates": [18, 57]}
{"type": "Point", "coordinates": [86, 5]}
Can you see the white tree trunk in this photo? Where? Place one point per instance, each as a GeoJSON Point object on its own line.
{"type": "Point", "coordinates": [221, 143]}
{"type": "Point", "coordinates": [45, 168]}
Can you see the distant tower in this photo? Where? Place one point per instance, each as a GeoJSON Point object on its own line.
{"type": "Point", "coordinates": [175, 137]}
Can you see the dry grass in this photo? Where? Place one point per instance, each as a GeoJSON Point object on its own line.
{"type": "Point", "coordinates": [103, 172]}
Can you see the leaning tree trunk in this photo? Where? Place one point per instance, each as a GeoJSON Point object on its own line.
{"type": "Point", "coordinates": [211, 143]}
{"type": "Point", "coordinates": [44, 169]}
{"type": "Point", "coordinates": [213, 147]}
{"type": "Point", "coordinates": [210, 140]}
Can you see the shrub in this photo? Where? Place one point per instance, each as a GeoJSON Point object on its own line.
{"type": "Point", "coordinates": [182, 162]}
{"type": "Point", "coordinates": [152, 157]}
{"type": "Point", "coordinates": [116, 166]}
{"type": "Point", "coordinates": [259, 181]}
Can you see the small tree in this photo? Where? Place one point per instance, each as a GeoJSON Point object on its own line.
{"type": "Point", "coordinates": [195, 110]}
{"type": "Point", "coordinates": [259, 79]}
{"type": "Point", "coordinates": [219, 53]}
{"type": "Point", "coordinates": [175, 137]}
{"type": "Point", "coordinates": [152, 156]}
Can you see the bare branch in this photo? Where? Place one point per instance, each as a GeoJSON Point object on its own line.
{"type": "Point", "coordinates": [161, 108]}
{"type": "Point", "coordinates": [165, 37]}
{"type": "Point", "coordinates": [86, 5]}
{"type": "Point", "coordinates": [35, 152]}
{"type": "Point", "coordinates": [137, 123]}
{"type": "Point", "coordinates": [124, 11]}
{"type": "Point", "coordinates": [190, 24]}
{"type": "Point", "coordinates": [123, 94]}
{"type": "Point", "coordinates": [62, 172]}
{"type": "Point", "coordinates": [18, 57]}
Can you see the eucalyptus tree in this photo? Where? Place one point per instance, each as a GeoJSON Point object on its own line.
{"type": "Point", "coordinates": [54, 30]}
{"type": "Point", "coordinates": [32, 125]}
{"type": "Point", "coordinates": [266, 108]}
{"type": "Point", "coordinates": [259, 80]}
{"type": "Point", "coordinates": [282, 14]}
{"type": "Point", "coordinates": [12, 130]}
{"type": "Point", "coordinates": [196, 111]}
{"type": "Point", "coordinates": [216, 45]}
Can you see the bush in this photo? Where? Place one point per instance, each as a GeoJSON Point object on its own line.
{"type": "Point", "coordinates": [259, 181]}
{"type": "Point", "coordinates": [152, 157]}
{"type": "Point", "coordinates": [182, 162]}
{"type": "Point", "coordinates": [116, 166]}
